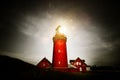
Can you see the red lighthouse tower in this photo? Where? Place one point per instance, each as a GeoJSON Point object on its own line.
{"type": "Point", "coordinates": [59, 50]}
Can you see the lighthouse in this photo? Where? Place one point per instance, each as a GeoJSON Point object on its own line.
{"type": "Point", "coordinates": [59, 59]}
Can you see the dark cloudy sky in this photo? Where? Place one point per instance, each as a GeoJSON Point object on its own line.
{"type": "Point", "coordinates": [92, 29]}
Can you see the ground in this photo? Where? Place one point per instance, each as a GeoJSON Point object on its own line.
{"type": "Point", "coordinates": [15, 69]}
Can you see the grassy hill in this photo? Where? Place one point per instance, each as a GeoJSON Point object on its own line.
{"type": "Point", "coordinates": [11, 68]}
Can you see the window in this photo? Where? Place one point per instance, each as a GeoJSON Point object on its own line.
{"type": "Point", "coordinates": [79, 63]}
{"type": "Point", "coordinates": [59, 50]}
{"type": "Point", "coordinates": [43, 64]}
{"type": "Point", "coordinates": [58, 62]}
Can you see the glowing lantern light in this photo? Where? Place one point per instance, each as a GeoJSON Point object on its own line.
{"type": "Point", "coordinates": [61, 29]}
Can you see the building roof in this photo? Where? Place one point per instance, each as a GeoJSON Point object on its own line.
{"type": "Point", "coordinates": [78, 60]}
{"type": "Point", "coordinates": [44, 60]}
